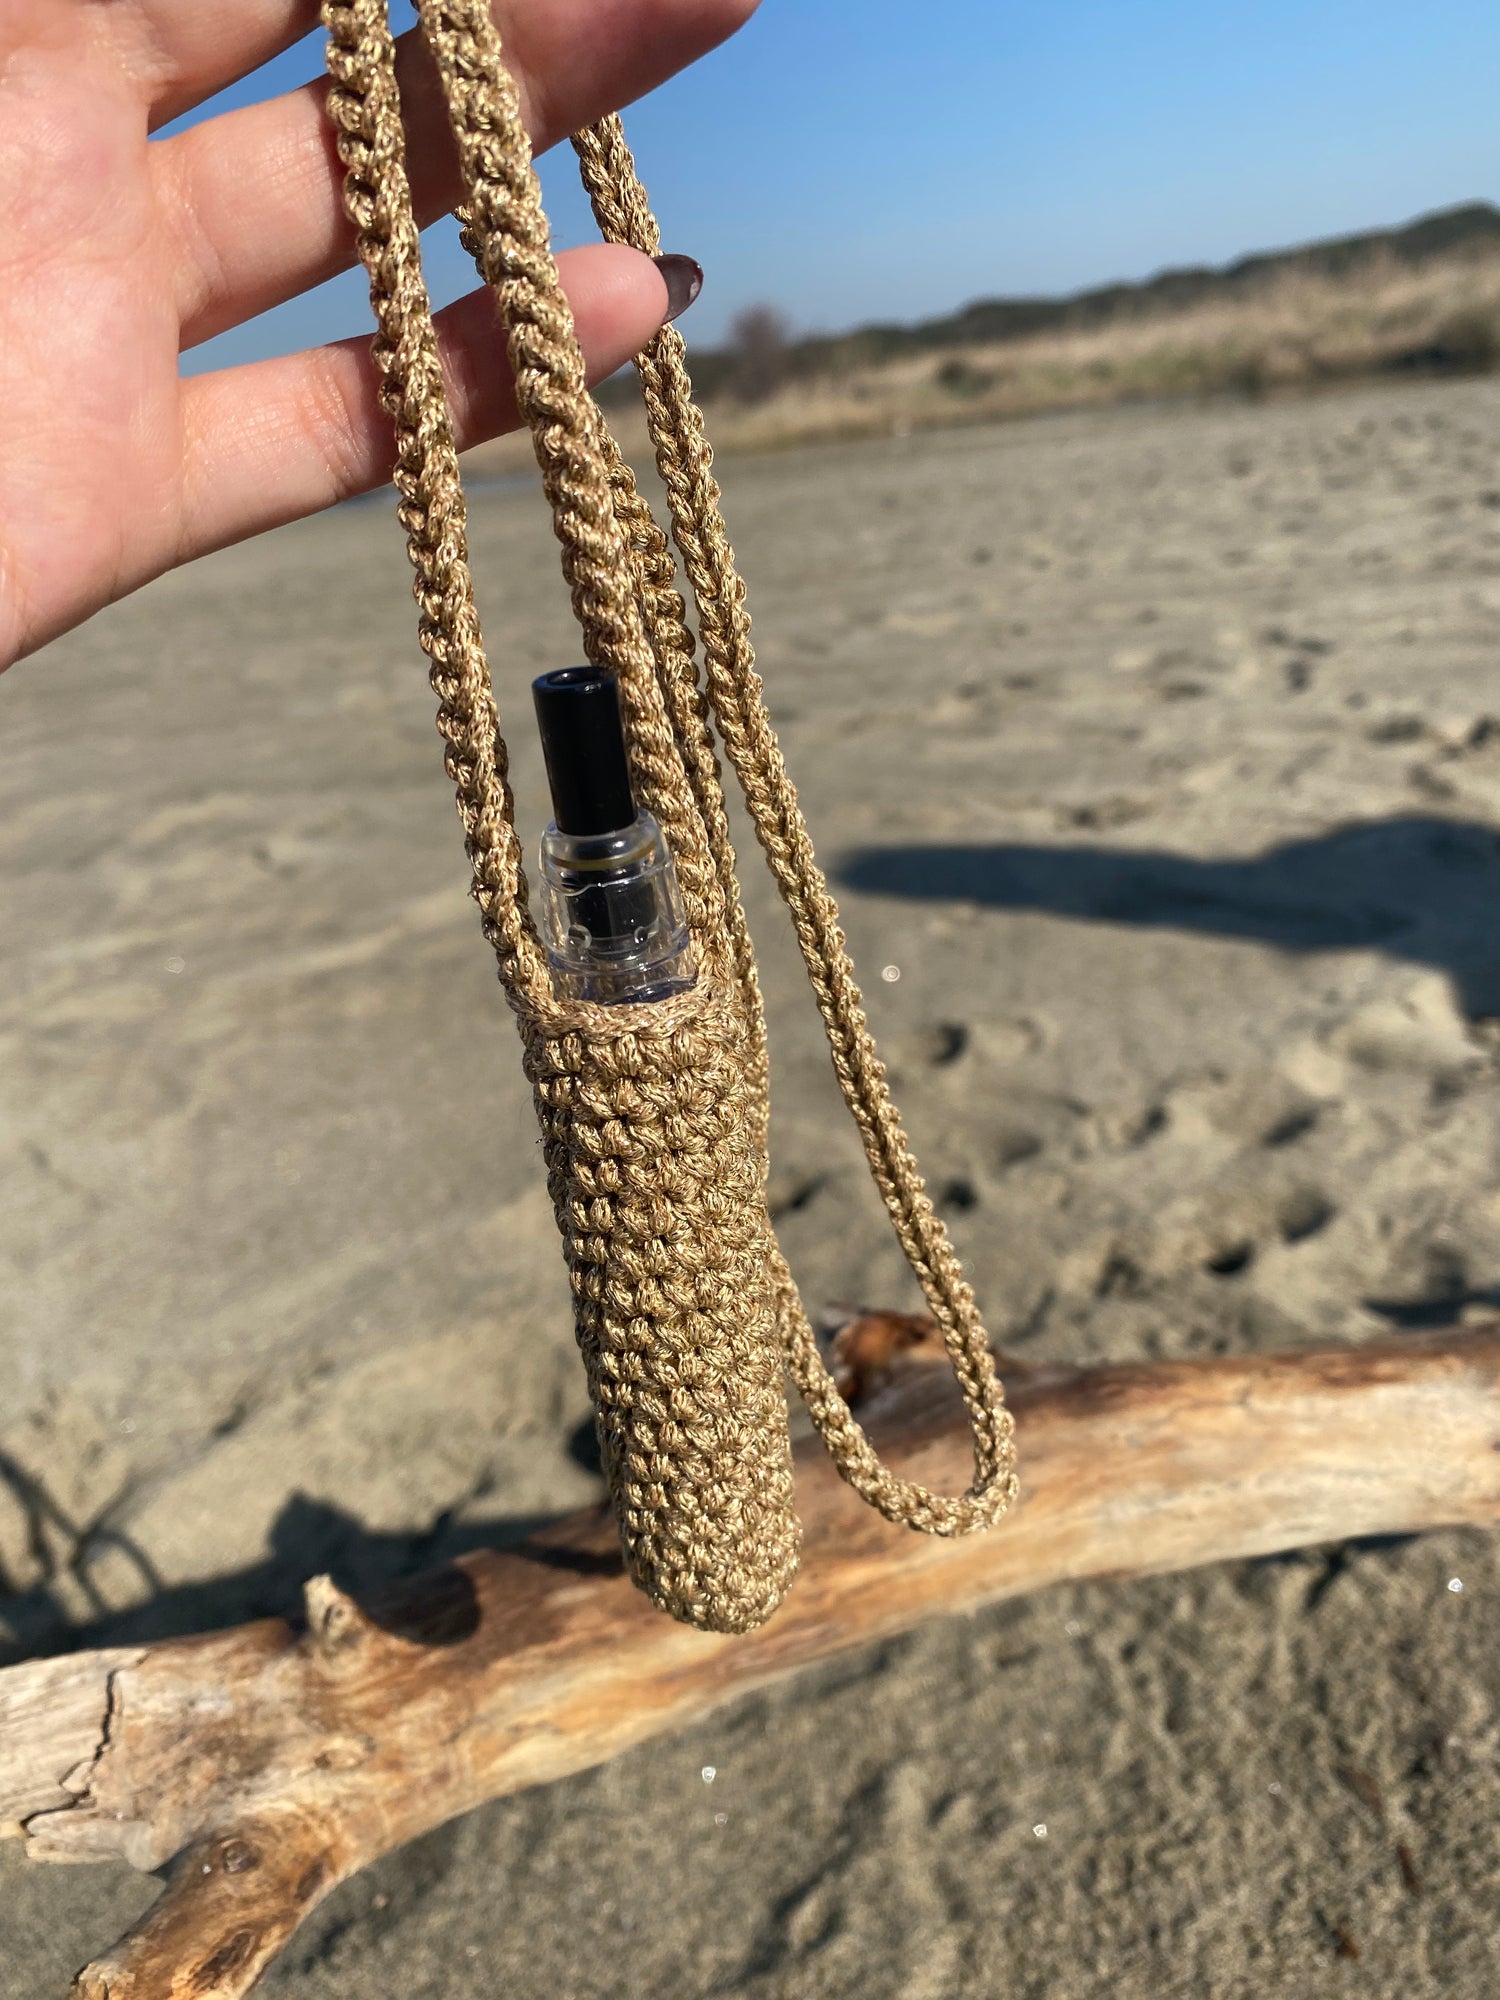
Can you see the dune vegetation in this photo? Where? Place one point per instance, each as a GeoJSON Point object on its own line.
{"type": "Point", "coordinates": [1420, 301]}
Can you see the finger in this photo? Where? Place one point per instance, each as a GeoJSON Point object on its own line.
{"type": "Point", "coordinates": [276, 440]}
{"type": "Point", "coordinates": [183, 51]}
{"type": "Point", "coordinates": [258, 192]}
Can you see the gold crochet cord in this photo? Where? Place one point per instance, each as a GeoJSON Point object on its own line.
{"type": "Point", "coordinates": [654, 1117]}
{"type": "Point", "coordinates": [658, 1178]}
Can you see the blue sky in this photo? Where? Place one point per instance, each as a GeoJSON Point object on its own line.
{"type": "Point", "coordinates": [850, 160]}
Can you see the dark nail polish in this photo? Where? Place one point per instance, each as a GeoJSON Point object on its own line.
{"type": "Point", "coordinates": [684, 281]}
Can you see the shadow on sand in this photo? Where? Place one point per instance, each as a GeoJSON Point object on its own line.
{"type": "Point", "coordinates": [308, 1538]}
{"type": "Point", "coordinates": [1417, 888]}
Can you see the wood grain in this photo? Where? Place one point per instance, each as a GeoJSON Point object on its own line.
{"type": "Point", "coordinates": [262, 1765]}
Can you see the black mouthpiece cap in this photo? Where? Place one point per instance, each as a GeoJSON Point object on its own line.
{"type": "Point", "coordinates": [578, 713]}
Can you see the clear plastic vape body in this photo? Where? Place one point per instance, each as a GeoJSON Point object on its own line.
{"type": "Point", "coordinates": [610, 909]}
{"type": "Point", "coordinates": [611, 914]}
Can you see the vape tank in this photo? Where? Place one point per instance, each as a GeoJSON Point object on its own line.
{"type": "Point", "coordinates": [610, 910]}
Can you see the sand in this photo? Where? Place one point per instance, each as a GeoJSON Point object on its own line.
{"type": "Point", "coordinates": [1158, 755]}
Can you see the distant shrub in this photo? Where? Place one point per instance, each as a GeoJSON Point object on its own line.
{"type": "Point", "coordinates": [1248, 374]}
{"type": "Point", "coordinates": [1466, 343]}
{"type": "Point", "coordinates": [960, 377]}
{"type": "Point", "coordinates": [761, 355]}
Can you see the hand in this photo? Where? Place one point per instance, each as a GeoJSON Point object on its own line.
{"type": "Point", "coordinates": [117, 252]}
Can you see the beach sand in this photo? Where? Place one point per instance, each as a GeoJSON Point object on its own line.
{"type": "Point", "coordinates": [1156, 754]}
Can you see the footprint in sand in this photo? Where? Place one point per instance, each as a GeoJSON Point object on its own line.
{"type": "Point", "coordinates": [1419, 1033]}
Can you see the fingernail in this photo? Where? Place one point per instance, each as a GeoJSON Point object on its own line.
{"type": "Point", "coordinates": [684, 281]}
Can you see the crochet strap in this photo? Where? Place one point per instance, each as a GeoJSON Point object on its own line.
{"type": "Point", "coordinates": [619, 567]}
{"type": "Point", "coordinates": [685, 463]}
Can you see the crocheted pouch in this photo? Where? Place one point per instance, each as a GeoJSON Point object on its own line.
{"type": "Point", "coordinates": [658, 1176]}
{"type": "Point", "coordinates": [654, 1116]}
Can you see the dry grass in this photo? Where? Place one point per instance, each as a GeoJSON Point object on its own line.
{"type": "Point", "coordinates": [1293, 331]}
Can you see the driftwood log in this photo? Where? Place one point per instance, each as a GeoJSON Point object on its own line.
{"type": "Point", "coordinates": [260, 1766]}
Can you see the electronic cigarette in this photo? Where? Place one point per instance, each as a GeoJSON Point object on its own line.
{"type": "Point", "coordinates": [611, 912]}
